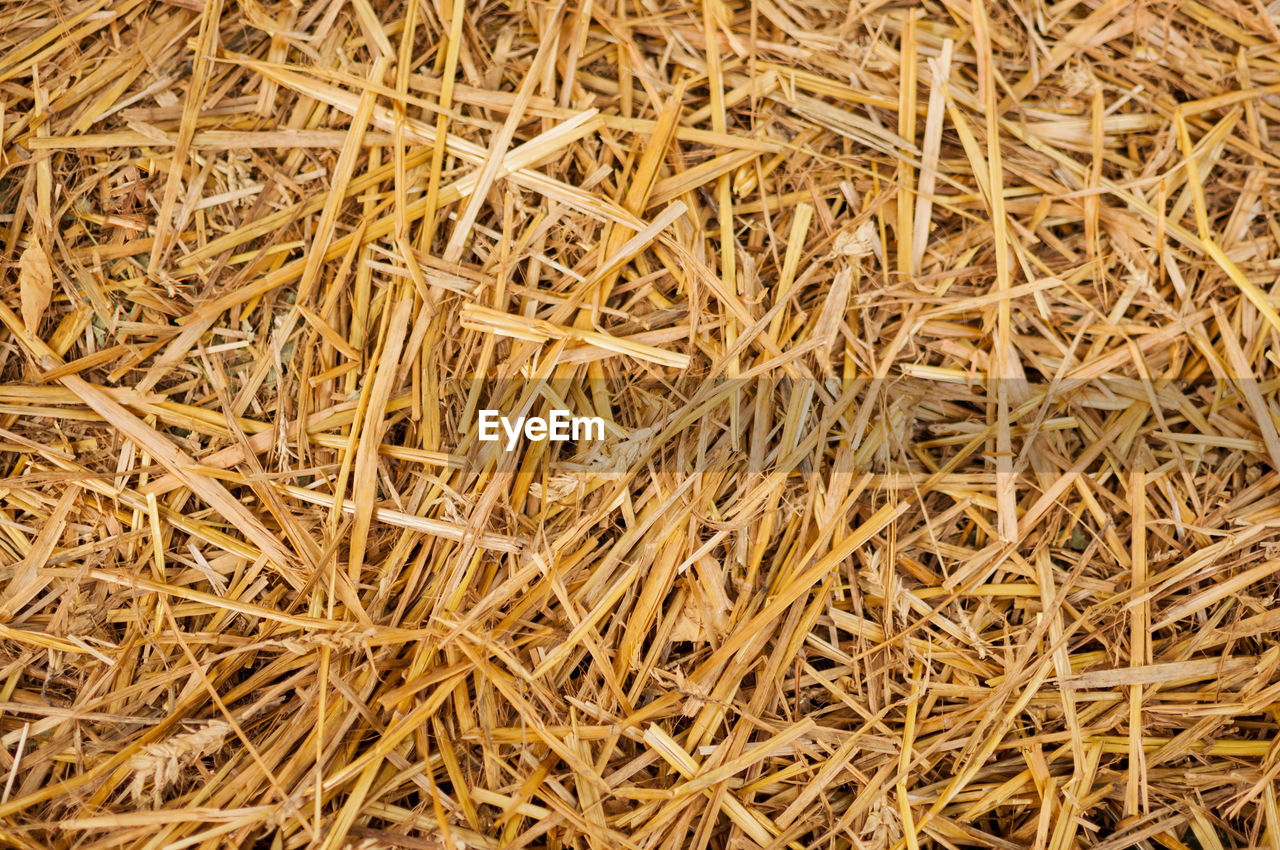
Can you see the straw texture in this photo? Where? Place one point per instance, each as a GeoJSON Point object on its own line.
{"type": "Point", "coordinates": [937, 350]}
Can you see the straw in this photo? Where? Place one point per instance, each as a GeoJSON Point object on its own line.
{"type": "Point", "coordinates": [936, 350]}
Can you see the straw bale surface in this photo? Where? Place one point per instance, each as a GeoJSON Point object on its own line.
{"type": "Point", "coordinates": [937, 347]}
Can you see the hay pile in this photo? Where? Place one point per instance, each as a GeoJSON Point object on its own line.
{"type": "Point", "coordinates": [938, 349]}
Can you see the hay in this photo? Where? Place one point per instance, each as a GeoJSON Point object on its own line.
{"type": "Point", "coordinates": [937, 348]}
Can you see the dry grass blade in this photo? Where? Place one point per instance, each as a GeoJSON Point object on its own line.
{"type": "Point", "coordinates": [35, 284]}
